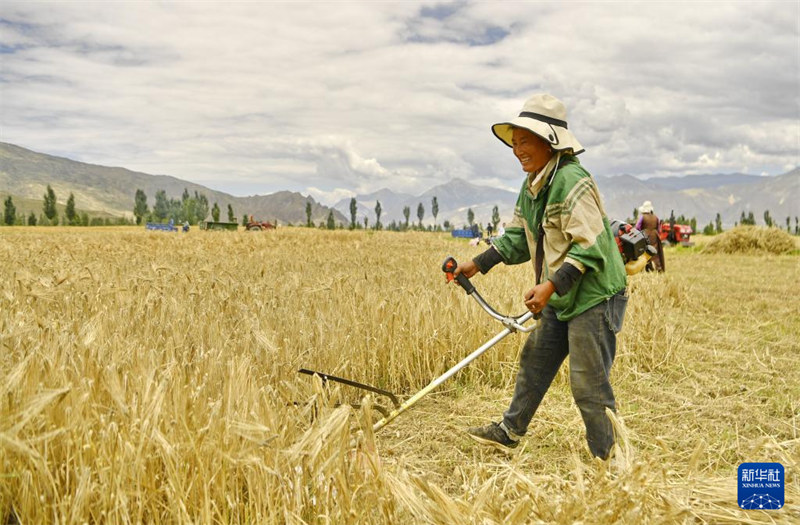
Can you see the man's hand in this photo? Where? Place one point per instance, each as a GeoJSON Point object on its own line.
{"type": "Point", "coordinates": [536, 298]}
{"type": "Point", "coordinates": [468, 269]}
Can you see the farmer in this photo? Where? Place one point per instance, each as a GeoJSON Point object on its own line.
{"type": "Point", "coordinates": [560, 225]}
{"type": "Point", "coordinates": [650, 225]}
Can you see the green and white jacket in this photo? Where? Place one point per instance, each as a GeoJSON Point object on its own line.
{"type": "Point", "coordinates": [576, 231]}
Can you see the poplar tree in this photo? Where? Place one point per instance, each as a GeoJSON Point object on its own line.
{"type": "Point", "coordinates": [49, 206]}
{"type": "Point", "coordinates": [161, 207]}
{"type": "Point", "coordinates": [10, 212]}
{"type": "Point", "coordinates": [140, 206]}
{"type": "Point", "coordinates": [353, 210]}
{"type": "Point", "coordinates": [69, 212]}
{"type": "Point", "coordinates": [201, 208]}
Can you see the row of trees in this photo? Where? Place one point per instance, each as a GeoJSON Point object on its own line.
{"type": "Point", "coordinates": [189, 208]}
{"type": "Point", "coordinates": [195, 208]}
{"type": "Point", "coordinates": [402, 226]}
{"type": "Point", "coordinates": [715, 227]}
{"type": "Point", "coordinates": [50, 217]}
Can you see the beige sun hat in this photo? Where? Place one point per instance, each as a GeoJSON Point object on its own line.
{"type": "Point", "coordinates": [545, 116]}
{"type": "Point", "coordinates": [647, 207]}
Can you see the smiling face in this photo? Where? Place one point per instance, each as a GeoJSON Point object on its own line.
{"type": "Point", "coordinates": [532, 151]}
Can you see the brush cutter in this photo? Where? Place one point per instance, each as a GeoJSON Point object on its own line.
{"type": "Point", "coordinates": [511, 324]}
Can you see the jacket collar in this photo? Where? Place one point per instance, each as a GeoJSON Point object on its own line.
{"type": "Point", "coordinates": [538, 181]}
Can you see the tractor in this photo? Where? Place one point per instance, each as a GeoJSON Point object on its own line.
{"type": "Point", "coordinates": [253, 225]}
{"type": "Point", "coordinates": [672, 233]}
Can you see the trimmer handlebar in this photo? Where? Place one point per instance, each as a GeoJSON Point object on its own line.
{"type": "Point", "coordinates": [513, 323]}
{"type": "Point", "coordinates": [448, 267]}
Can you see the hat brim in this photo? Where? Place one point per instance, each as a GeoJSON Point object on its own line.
{"type": "Point", "coordinates": [560, 139]}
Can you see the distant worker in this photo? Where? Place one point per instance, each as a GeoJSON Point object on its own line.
{"type": "Point", "coordinates": [502, 229]}
{"type": "Point", "coordinates": [489, 229]}
{"type": "Point", "coordinates": [476, 230]}
{"type": "Point", "coordinates": [650, 225]}
{"type": "Point", "coordinates": [186, 226]}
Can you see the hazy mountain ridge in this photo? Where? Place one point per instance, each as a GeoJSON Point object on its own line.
{"type": "Point", "coordinates": [723, 194]}
{"type": "Point", "coordinates": [731, 196]}
{"type": "Point", "coordinates": [701, 181]}
{"type": "Point", "coordinates": [26, 174]}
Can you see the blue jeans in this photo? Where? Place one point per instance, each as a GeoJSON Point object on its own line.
{"type": "Point", "coordinates": [590, 341]}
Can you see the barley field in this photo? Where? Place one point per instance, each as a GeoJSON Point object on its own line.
{"type": "Point", "coordinates": [151, 377]}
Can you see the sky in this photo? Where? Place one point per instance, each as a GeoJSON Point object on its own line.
{"type": "Point", "coordinates": [334, 99]}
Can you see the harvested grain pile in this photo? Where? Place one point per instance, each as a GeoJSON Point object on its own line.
{"type": "Point", "coordinates": [752, 239]}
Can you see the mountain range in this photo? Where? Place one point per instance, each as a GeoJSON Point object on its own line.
{"type": "Point", "coordinates": [110, 191]}
{"type": "Point", "coordinates": [107, 191]}
{"type": "Point", "coordinates": [698, 196]}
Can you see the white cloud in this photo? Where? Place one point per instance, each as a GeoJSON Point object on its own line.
{"type": "Point", "coordinates": [329, 198]}
{"type": "Point", "coordinates": [353, 97]}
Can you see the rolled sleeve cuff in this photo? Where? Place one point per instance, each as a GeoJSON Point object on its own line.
{"type": "Point", "coordinates": [576, 263]}
{"type": "Point", "coordinates": [565, 278]}
{"type": "Point", "coordinates": [488, 260]}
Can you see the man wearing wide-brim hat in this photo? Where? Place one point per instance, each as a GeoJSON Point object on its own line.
{"type": "Point", "coordinates": [560, 225]}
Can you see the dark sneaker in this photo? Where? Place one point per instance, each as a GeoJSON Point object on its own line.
{"type": "Point", "coordinates": [492, 434]}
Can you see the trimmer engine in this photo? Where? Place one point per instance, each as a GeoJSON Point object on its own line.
{"type": "Point", "coordinates": [633, 246]}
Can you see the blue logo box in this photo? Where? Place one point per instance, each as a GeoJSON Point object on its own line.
{"type": "Point", "coordinates": [761, 486]}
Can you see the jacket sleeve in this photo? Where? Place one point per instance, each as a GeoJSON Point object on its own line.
{"type": "Point", "coordinates": [513, 244]}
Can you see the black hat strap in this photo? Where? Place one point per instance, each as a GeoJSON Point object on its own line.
{"type": "Point", "coordinates": [544, 118]}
